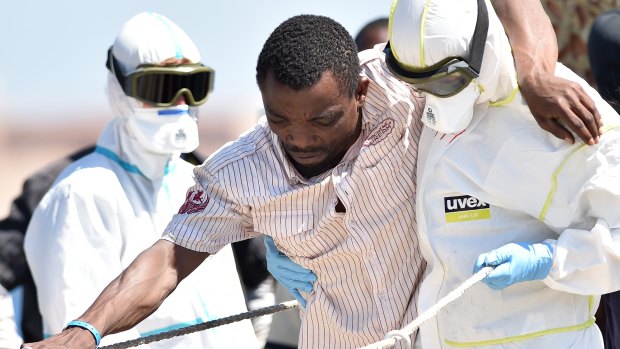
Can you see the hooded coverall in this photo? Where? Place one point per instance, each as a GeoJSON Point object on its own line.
{"type": "Point", "coordinates": [504, 180]}
{"type": "Point", "coordinates": [104, 210]}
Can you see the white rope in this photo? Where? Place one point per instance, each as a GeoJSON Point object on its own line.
{"type": "Point", "coordinates": [392, 337]}
{"type": "Point", "coordinates": [400, 335]}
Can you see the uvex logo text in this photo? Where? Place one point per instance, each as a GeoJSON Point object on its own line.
{"type": "Point", "coordinates": [463, 203]}
{"type": "Point", "coordinates": [465, 208]}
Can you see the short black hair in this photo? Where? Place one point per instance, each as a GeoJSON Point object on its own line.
{"type": "Point", "coordinates": [361, 39]}
{"type": "Point", "coordinates": [303, 47]}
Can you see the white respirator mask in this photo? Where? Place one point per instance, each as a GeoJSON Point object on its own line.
{"type": "Point", "coordinates": [450, 114]}
{"type": "Point", "coordinates": [165, 130]}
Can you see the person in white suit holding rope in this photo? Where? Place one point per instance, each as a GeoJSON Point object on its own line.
{"type": "Point", "coordinates": [495, 190]}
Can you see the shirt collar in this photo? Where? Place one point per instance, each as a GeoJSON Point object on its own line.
{"type": "Point", "coordinates": [291, 173]}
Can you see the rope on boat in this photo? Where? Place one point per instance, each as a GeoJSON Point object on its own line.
{"type": "Point", "coordinates": [203, 326]}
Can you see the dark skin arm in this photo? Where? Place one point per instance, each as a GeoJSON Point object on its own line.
{"type": "Point", "coordinates": [135, 294]}
{"type": "Point", "coordinates": [557, 104]}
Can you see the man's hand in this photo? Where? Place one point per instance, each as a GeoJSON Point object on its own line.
{"type": "Point", "coordinates": [293, 276]}
{"type": "Point", "coordinates": [516, 262]}
{"type": "Point", "coordinates": [73, 337]}
{"type": "Point", "coordinates": [560, 105]}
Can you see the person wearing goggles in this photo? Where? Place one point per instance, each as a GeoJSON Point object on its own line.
{"type": "Point", "coordinates": [448, 83]}
{"type": "Point", "coordinates": [502, 193]}
{"type": "Point", "coordinates": [162, 86]}
{"type": "Point", "coordinates": [110, 205]}
{"type": "Point", "coordinates": [449, 76]}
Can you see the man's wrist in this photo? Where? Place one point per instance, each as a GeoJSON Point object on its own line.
{"type": "Point", "coordinates": [85, 327]}
{"type": "Point", "coordinates": [529, 80]}
{"type": "Point", "coordinates": [534, 75]}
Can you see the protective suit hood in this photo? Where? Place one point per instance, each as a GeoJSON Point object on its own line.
{"type": "Point", "coordinates": [147, 38]}
{"type": "Point", "coordinates": [155, 133]}
{"type": "Point", "coordinates": [424, 32]}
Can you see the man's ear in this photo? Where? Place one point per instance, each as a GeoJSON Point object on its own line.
{"type": "Point", "coordinates": [362, 90]}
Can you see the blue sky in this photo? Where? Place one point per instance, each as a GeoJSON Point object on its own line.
{"type": "Point", "coordinates": [53, 52]}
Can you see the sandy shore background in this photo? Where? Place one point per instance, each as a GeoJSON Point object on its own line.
{"type": "Point", "coordinates": [27, 147]}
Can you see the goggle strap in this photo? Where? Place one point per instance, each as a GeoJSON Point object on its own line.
{"type": "Point", "coordinates": [115, 68]}
{"type": "Point", "coordinates": [480, 37]}
{"type": "Point", "coordinates": [396, 68]}
{"type": "Point", "coordinates": [476, 47]}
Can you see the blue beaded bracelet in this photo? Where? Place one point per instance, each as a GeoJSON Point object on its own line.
{"type": "Point", "coordinates": [87, 326]}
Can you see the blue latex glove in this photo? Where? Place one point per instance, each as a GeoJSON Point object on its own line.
{"type": "Point", "coordinates": [516, 262]}
{"type": "Point", "coordinates": [290, 274]}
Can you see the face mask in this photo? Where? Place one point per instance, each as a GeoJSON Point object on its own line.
{"type": "Point", "coordinates": [451, 114]}
{"type": "Point", "coordinates": [164, 130]}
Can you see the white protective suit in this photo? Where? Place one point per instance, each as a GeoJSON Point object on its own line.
{"type": "Point", "coordinates": [8, 329]}
{"type": "Point", "coordinates": [506, 180]}
{"type": "Point", "coordinates": [109, 206]}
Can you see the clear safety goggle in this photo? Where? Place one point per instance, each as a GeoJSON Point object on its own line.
{"type": "Point", "coordinates": [443, 79]}
{"type": "Point", "coordinates": [162, 86]}
{"type": "Point", "coordinates": [451, 75]}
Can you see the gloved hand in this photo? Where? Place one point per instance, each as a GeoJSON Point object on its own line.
{"type": "Point", "coordinates": [516, 262]}
{"type": "Point", "coordinates": [293, 276]}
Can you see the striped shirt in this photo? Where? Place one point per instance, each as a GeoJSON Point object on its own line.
{"type": "Point", "coordinates": [366, 259]}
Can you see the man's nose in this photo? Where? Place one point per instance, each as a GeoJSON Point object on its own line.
{"type": "Point", "coordinates": [301, 138]}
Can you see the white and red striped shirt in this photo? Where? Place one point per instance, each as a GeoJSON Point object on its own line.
{"type": "Point", "coordinates": [366, 259]}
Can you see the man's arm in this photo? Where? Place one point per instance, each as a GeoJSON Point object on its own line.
{"type": "Point", "coordinates": [554, 102]}
{"type": "Point", "coordinates": [135, 294]}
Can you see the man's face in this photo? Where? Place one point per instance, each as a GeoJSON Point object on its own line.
{"type": "Point", "coordinates": [317, 125]}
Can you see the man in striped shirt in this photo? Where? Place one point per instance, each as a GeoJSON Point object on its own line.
{"type": "Point", "coordinates": [329, 175]}
{"type": "Point", "coordinates": [337, 150]}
